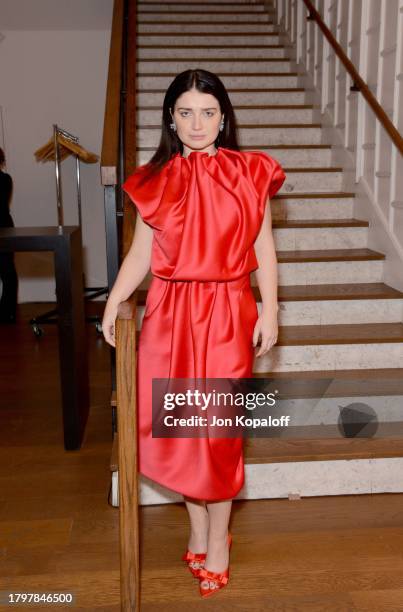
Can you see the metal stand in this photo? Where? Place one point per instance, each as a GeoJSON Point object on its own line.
{"type": "Point", "coordinates": [50, 316]}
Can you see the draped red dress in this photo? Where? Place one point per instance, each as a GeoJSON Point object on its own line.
{"type": "Point", "coordinates": [206, 212]}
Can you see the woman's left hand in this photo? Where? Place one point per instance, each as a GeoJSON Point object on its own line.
{"type": "Point", "coordinates": [267, 327]}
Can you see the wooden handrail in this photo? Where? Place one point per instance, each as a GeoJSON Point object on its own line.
{"type": "Point", "coordinates": [126, 360]}
{"type": "Point", "coordinates": [126, 365]}
{"type": "Point", "coordinates": [130, 136]}
{"type": "Point", "coordinates": [358, 81]}
{"type": "Point", "coordinates": [110, 138]}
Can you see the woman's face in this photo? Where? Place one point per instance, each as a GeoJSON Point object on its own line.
{"type": "Point", "coordinates": [197, 117]}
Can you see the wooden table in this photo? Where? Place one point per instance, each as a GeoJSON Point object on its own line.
{"type": "Point", "coordinates": [66, 245]}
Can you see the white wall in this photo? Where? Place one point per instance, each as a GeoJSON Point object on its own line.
{"type": "Point", "coordinates": [54, 76]}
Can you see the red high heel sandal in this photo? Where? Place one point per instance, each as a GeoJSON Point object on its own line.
{"type": "Point", "coordinates": [189, 556]}
{"type": "Point", "coordinates": [220, 579]}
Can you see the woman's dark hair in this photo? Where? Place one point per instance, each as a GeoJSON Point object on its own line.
{"type": "Point", "coordinates": [2, 157]}
{"type": "Point", "coordinates": [205, 82]}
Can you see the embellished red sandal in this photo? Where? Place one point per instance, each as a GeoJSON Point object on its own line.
{"type": "Point", "coordinates": [189, 557]}
{"type": "Point", "coordinates": [217, 579]}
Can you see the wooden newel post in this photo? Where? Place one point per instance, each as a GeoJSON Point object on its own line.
{"type": "Point", "coordinates": [127, 445]}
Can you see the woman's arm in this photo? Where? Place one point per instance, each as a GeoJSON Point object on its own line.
{"type": "Point", "coordinates": [133, 270]}
{"type": "Point", "coordinates": [267, 279]}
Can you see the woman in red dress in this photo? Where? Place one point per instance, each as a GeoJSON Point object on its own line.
{"type": "Point", "coordinates": [203, 226]}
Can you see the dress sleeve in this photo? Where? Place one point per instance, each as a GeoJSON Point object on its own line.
{"type": "Point", "coordinates": [145, 194]}
{"type": "Point", "coordinates": [267, 174]}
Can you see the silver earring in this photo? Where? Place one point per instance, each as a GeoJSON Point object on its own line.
{"type": "Point", "coordinates": [172, 126]}
{"type": "Point", "coordinates": [221, 126]}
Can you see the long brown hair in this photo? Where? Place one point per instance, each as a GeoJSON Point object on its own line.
{"type": "Point", "coordinates": [205, 82]}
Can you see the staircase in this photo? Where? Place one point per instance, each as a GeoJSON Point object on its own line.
{"type": "Point", "coordinates": [341, 333]}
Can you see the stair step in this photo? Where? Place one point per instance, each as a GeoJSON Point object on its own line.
{"type": "Point", "coordinates": [318, 223]}
{"type": "Point", "coordinates": [272, 79]}
{"type": "Point", "coordinates": [246, 114]}
{"type": "Point", "coordinates": [208, 3]}
{"type": "Point", "coordinates": [206, 7]}
{"type": "Point", "coordinates": [185, 10]}
{"type": "Point", "coordinates": [208, 27]}
{"type": "Point", "coordinates": [216, 52]}
{"type": "Point", "coordinates": [348, 333]}
{"type": "Point", "coordinates": [346, 291]}
{"type": "Point", "coordinates": [159, 67]}
{"type": "Point", "coordinates": [314, 156]}
{"type": "Point", "coordinates": [330, 255]}
{"type": "Point", "coordinates": [197, 17]}
{"type": "Point", "coordinates": [324, 234]}
{"type": "Point", "coordinates": [378, 381]}
{"type": "Point", "coordinates": [276, 96]}
{"type": "Point", "coordinates": [223, 38]}
{"type": "Point", "coordinates": [301, 133]}
{"type": "Point", "coordinates": [342, 291]}
{"type": "Point", "coordinates": [326, 304]}
{"type": "Point", "coordinates": [272, 450]}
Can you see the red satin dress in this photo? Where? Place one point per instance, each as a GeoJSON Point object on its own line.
{"type": "Point", "coordinates": [206, 212]}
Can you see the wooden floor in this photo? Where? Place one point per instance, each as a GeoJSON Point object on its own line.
{"type": "Point", "coordinates": [58, 533]}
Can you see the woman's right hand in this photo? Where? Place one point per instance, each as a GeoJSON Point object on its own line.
{"type": "Point", "coordinates": [109, 323]}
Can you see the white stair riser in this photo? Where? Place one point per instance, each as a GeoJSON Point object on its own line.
{"type": "Point", "coordinates": [209, 28]}
{"type": "Point", "coordinates": [328, 272]}
{"type": "Point", "coordinates": [328, 312]}
{"type": "Point", "coordinates": [324, 238]}
{"type": "Point", "coordinates": [311, 182]}
{"type": "Point", "coordinates": [278, 135]}
{"type": "Point", "coordinates": [231, 81]}
{"type": "Point", "coordinates": [292, 158]}
{"type": "Point", "coordinates": [210, 52]}
{"type": "Point", "coordinates": [243, 116]}
{"type": "Point", "coordinates": [221, 66]}
{"type": "Point", "coordinates": [300, 158]}
{"type": "Point", "coordinates": [179, 17]}
{"type": "Point", "coordinates": [311, 208]}
{"type": "Point", "coordinates": [205, 8]}
{"type": "Point", "coordinates": [247, 136]}
{"type": "Point", "coordinates": [156, 98]}
{"type": "Point", "coordinates": [330, 357]}
{"type": "Point", "coordinates": [306, 478]}
{"type": "Point", "coordinates": [209, 39]}
{"type": "Point", "coordinates": [337, 312]}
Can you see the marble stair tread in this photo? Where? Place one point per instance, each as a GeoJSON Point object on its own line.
{"type": "Point", "coordinates": [274, 450]}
